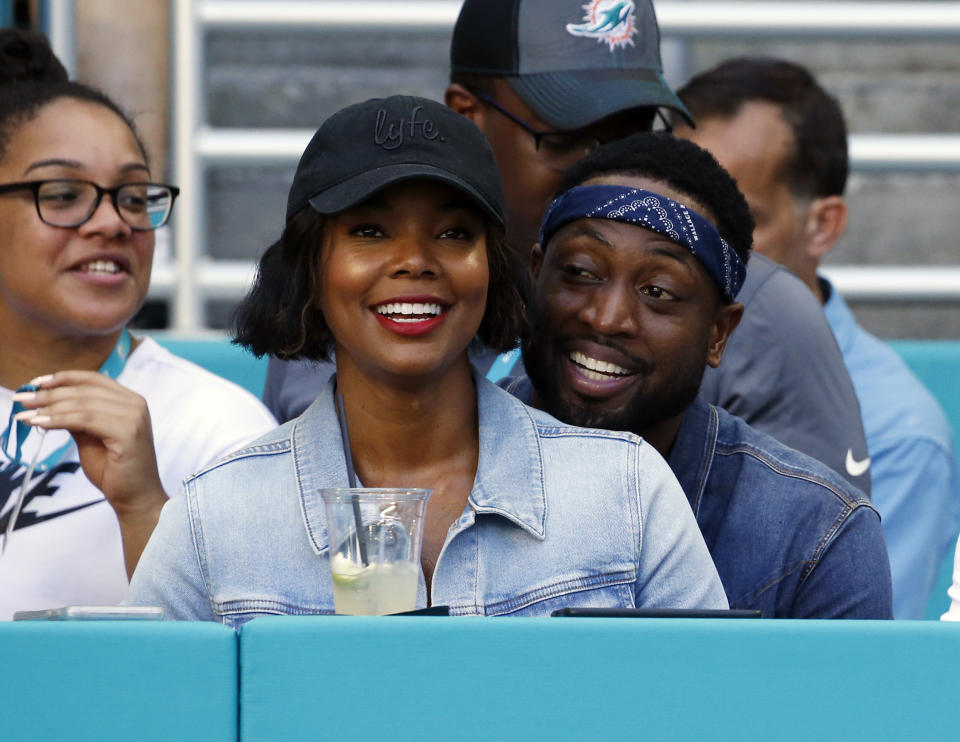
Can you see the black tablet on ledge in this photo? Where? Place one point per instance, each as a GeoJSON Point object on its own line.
{"type": "Point", "coordinates": [655, 613]}
{"type": "Point", "coordinates": [434, 610]}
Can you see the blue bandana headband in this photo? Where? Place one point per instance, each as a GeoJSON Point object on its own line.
{"type": "Point", "coordinates": [658, 214]}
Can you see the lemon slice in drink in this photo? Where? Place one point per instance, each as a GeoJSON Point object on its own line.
{"type": "Point", "coordinates": [344, 571]}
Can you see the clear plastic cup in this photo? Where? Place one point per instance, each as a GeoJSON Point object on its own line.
{"type": "Point", "coordinates": [375, 568]}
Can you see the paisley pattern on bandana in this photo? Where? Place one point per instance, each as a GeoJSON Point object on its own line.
{"type": "Point", "coordinates": [657, 213]}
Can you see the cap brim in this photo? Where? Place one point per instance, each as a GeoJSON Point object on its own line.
{"type": "Point", "coordinates": [352, 191]}
{"type": "Point", "coordinates": [574, 99]}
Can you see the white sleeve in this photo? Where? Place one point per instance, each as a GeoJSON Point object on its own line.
{"type": "Point", "coordinates": [954, 592]}
{"type": "Point", "coordinates": [197, 416]}
{"type": "Point", "coordinates": [218, 422]}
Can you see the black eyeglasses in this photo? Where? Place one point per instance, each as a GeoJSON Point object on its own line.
{"type": "Point", "coordinates": [561, 148]}
{"type": "Point", "coordinates": [70, 203]}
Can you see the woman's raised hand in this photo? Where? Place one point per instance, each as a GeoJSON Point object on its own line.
{"type": "Point", "coordinates": [111, 427]}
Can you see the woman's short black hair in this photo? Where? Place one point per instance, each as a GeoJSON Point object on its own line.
{"type": "Point", "coordinates": [281, 315]}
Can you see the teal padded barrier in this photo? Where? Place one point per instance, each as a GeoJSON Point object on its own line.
{"type": "Point", "coordinates": [937, 364]}
{"type": "Point", "coordinates": [217, 354]}
{"type": "Point", "coordinates": [416, 678]}
{"type": "Point", "coordinates": [118, 680]}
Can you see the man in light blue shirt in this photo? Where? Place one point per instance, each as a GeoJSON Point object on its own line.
{"type": "Point", "coordinates": [784, 139]}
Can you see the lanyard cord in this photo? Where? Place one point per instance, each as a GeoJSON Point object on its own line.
{"type": "Point", "coordinates": [112, 367]}
{"type": "Point", "coordinates": [24, 488]}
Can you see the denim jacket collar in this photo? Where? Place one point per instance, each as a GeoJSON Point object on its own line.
{"type": "Point", "coordinates": [693, 449]}
{"type": "Point", "coordinates": [509, 479]}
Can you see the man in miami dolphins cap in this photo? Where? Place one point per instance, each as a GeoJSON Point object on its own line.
{"type": "Point", "coordinates": [548, 81]}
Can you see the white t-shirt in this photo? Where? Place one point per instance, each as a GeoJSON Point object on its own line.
{"type": "Point", "coordinates": [953, 614]}
{"type": "Point", "coordinates": [66, 547]}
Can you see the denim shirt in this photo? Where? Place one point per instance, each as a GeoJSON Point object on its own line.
{"type": "Point", "coordinates": [557, 516]}
{"type": "Point", "coordinates": [790, 538]}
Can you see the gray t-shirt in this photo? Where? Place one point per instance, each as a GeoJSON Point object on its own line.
{"type": "Point", "coordinates": [292, 385]}
{"type": "Point", "coordinates": [783, 373]}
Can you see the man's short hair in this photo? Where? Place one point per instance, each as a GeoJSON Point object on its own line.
{"type": "Point", "coordinates": [818, 165]}
{"type": "Point", "coordinates": [683, 166]}
{"type": "Point", "coordinates": [571, 64]}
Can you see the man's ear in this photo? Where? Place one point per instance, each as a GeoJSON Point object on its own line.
{"type": "Point", "coordinates": [826, 222]}
{"type": "Point", "coordinates": [464, 102]}
{"type": "Point", "coordinates": [725, 321]}
{"type": "Point", "coordinates": [536, 262]}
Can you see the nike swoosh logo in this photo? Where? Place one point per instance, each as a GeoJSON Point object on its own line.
{"type": "Point", "coordinates": [856, 468]}
{"type": "Point", "coordinates": [29, 519]}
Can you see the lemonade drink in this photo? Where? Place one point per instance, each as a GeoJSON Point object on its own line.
{"type": "Point", "coordinates": [374, 536]}
{"type": "Point", "coordinates": [378, 589]}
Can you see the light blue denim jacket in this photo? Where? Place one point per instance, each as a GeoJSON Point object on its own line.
{"type": "Point", "coordinates": [558, 516]}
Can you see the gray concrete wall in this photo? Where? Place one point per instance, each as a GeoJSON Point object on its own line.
{"type": "Point", "coordinates": [296, 79]}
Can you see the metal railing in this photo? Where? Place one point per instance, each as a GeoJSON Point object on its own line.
{"type": "Point", "coordinates": [191, 277]}
{"type": "Point", "coordinates": [58, 19]}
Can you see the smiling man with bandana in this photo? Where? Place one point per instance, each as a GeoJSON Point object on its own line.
{"type": "Point", "coordinates": [634, 294]}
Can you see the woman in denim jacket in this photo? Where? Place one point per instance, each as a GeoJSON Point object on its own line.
{"type": "Point", "coordinates": [393, 256]}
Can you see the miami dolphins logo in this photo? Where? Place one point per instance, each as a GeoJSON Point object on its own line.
{"type": "Point", "coordinates": [609, 21]}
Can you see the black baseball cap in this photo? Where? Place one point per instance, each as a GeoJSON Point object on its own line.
{"type": "Point", "coordinates": [367, 146]}
{"type": "Point", "coordinates": [571, 62]}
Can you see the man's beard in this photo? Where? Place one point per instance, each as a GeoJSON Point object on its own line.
{"type": "Point", "coordinates": [648, 407]}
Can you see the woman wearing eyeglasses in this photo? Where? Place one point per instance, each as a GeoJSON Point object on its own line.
{"type": "Point", "coordinates": [97, 424]}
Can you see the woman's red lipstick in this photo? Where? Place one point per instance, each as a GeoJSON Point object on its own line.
{"type": "Point", "coordinates": [411, 316]}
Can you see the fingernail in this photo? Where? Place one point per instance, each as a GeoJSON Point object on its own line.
{"type": "Point", "coordinates": [41, 380]}
{"type": "Point", "coordinates": [24, 396]}
{"type": "Point", "coordinates": [32, 417]}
